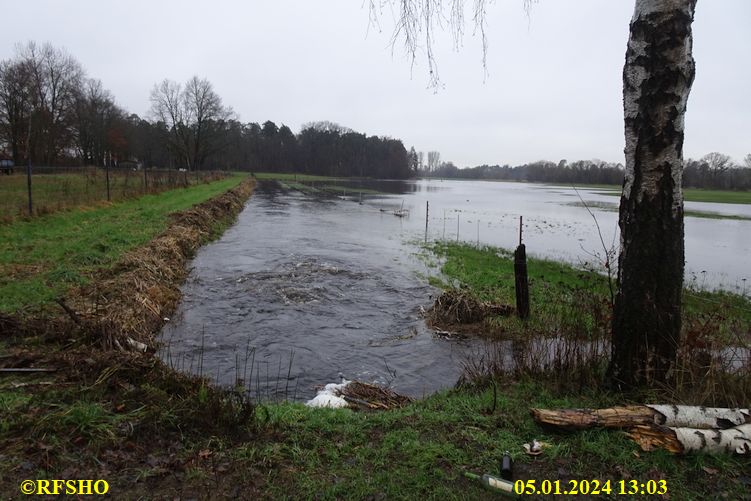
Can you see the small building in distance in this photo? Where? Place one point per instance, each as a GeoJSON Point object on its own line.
{"type": "Point", "coordinates": [6, 165]}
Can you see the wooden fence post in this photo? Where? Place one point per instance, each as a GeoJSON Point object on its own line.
{"type": "Point", "coordinates": [520, 277]}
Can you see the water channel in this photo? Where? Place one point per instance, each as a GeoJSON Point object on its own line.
{"type": "Point", "coordinates": [306, 287]}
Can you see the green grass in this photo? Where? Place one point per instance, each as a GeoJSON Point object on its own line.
{"type": "Point", "coordinates": [563, 299]}
{"type": "Point", "coordinates": [86, 187]}
{"type": "Point", "coordinates": [566, 301]}
{"type": "Point", "coordinates": [697, 195]}
{"type": "Point", "coordinates": [422, 450]}
{"type": "Point", "coordinates": [42, 257]}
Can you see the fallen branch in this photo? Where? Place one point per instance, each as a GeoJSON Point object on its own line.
{"type": "Point", "coordinates": [13, 370]}
{"type": "Point", "coordinates": [71, 313]}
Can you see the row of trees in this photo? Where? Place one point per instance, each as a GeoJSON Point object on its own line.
{"type": "Point", "coordinates": [53, 114]}
{"type": "Point", "coordinates": [713, 171]}
{"type": "Point", "coordinates": [320, 148]}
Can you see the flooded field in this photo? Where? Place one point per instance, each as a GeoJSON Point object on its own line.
{"type": "Point", "coordinates": [306, 287]}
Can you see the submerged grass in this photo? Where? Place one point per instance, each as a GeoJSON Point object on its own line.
{"type": "Point", "coordinates": [279, 176]}
{"type": "Point", "coordinates": [613, 207]}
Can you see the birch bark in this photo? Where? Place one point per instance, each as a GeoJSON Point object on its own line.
{"type": "Point", "coordinates": [657, 78]}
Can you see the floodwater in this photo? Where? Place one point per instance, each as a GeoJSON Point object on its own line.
{"type": "Point", "coordinates": [304, 287]}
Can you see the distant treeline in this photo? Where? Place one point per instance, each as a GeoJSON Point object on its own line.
{"type": "Point", "coordinates": [51, 113]}
{"type": "Point", "coordinates": [713, 171]}
{"type": "Point", "coordinates": [582, 171]}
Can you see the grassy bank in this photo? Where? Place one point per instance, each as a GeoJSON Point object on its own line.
{"type": "Point", "coordinates": [41, 258]}
{"type": "Point", "coordinates": [103, 411]}
{"type": "Point", "coordinates": [55, 189]}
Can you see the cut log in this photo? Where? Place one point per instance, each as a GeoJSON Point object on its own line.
{"type": "Point", "coordinates": [579, 419]}
{"type": "Point", "coordinates": [676, 416]}
{"type": "Point", "coordinates": [684, 440]}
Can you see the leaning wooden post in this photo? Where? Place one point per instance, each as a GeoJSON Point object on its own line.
{"type": "Point", "coordinates": [427, 211]}
{"type": "Point", "coordinates": [520, 277]}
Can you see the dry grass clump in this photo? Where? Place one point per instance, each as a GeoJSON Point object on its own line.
{"type": "Point", "coordinates": [136, 295]}
{"type": "Point", "coordinates": [369, 396]}
{"type": "Point", "coordinates": [460, 307]}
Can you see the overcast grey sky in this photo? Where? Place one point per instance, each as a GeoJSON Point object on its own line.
{"type": "Point", "coordinates": [553, 89]}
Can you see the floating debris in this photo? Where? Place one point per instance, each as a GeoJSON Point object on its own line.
{"type": "Point", "coordinates": [369, 396]}
{"type": "Point", "coordinates": [330, 396]}
{"type": "Point", "coordinates": [357, 395]}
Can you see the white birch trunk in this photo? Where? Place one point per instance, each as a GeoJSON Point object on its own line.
{"type": "Point", "coordinates": [687, 416]}
{"type": "Point", "coordinates": [657, 78]}
{"type": "Point", "coordinates": [686, 440]}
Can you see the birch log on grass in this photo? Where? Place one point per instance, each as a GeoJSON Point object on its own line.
{"type": "Point", "coordinates": [679, 416]}
{"type": "Point", "coordinates": [677, 428]}
{"type": "Point", "coordinates": [684, 440]}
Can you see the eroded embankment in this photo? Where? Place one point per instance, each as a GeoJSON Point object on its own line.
{"type": "Point", "coordinates": [127, 304]}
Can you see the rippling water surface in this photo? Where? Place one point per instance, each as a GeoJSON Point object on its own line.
{"type": "Point", "coordinates": [310, 287]}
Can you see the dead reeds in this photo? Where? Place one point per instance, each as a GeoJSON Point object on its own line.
{"type": "Point", "coordinates": [460, 307]}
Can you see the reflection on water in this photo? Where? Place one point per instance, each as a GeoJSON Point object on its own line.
{"type": "Point", "coordinates": [305, 287]}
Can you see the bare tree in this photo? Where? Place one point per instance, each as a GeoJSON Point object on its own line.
{"type": "Point", "coordinates": [190, 113]}
{"type": "Point", "coordinates": [203, 110]}
{"type": "Point", "coordinates": [434, 160]}
{"type": "Point", "coordinates": [747, 161]}
{"type": "Point", "coordinates": [54, 80]}
{"type": "Point", "coordinates": [15, 108]}
{"type": "Point", "coordinates": [95, 116]}
{"type": "Point", "coordinates": [657, 79]}
{"type": "Point", "coordinates": [167, 108]}
{"type": "Point", "coordinates": [718, 163]}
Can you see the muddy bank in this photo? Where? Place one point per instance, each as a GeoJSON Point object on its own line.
{"type": "Point", "coordinates": [126, 306]}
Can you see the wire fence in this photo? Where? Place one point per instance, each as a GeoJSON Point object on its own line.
{"type": "Point", "coordinates": [50, 189]}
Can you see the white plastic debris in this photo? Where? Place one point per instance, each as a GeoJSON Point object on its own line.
{"type": "Point", "coordinates": [136, 345]}
{"type": "Point", "coordinates": [329, 396]}
{"type": "Point", "coordinates": [534, 448]}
